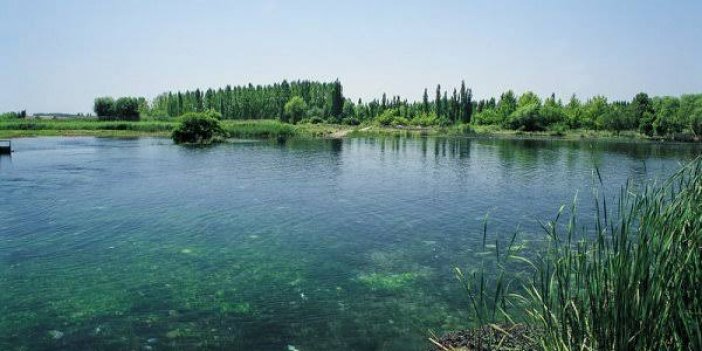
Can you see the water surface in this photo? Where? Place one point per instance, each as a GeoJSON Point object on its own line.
{"type": "Point", "coordinates": [348, 244]}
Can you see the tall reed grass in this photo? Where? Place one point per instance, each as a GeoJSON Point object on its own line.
{"type": "Point", "coordinates": [258, 129]}
{"type": "Point", "coordinates": [633, 284]}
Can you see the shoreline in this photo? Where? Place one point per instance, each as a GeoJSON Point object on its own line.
{"type": "Point", "coordinates": [270, 129]}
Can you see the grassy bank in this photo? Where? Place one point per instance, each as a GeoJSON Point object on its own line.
{"type": "Point", "coordinates": [91, 127]}
{"type": "Point", "coordinates": [630, 283]}
{"type": "Point", "coordinates": [12, 128]}
{"type": "Point", "coordinates": [87, 127]}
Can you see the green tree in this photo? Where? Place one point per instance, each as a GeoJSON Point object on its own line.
{"type": "Point", "coordinates": [691, 112]}
{"type": "Point", "coordinates": [667, 120]}
{"type": "Point", "coordinates": [337, 100]}
{"type": "Point", "coordinates": [127, 108]}
{"type": "Point", "coordinates": [593, 112]}
{"type": "Point", "coordinates": [295, 110]}
{"type": "Point", "coordinates": [507, 104]}
{"type": "Point", "coordinates": [528, 98]}
{"type": "Point", "coordinates": [466, 102]}
{"type": "Point", "coordinates": [437, 101]}
{"type": "Point", "coordinates": [642, 111]}
{"type": "Point", "coordinates": [104, 106]}
{"type": "Point", "coordinates": [573, 112]}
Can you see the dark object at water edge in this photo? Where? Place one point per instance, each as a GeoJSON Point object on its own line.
{"type": "Point", "coordinates": [489, 337]}
{"type": "Point", "coordinates": [5, 147]}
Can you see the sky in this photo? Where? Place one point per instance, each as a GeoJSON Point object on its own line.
{"type": "Point", "coordinates": [58, 55]}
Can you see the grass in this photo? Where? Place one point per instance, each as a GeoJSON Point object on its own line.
{"type": "Point", "coordinates": [270, 128]}
{"type": "Point", "coordinates": [635, 284]}
{"type": "Point", "coordinates": [91, 127]}
{"type": "Point", "coordinates": [258, 129]}
{"type": "Point", "coordinates": [94, 127]}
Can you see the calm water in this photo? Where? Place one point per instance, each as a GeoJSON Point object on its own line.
{"type": "Point", "coordinates": [137, 244]}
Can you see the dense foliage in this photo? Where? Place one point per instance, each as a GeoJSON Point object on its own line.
{"type": "Point", "coordinates": [324, 100]}
{"type": "Point", "coordinates": [124, 108]}
{"type": "Point", "coordinates": [198, 128]}
{"type": "Point", "coordinates": [13, 115]}
{"type": "Point", "coordinates": [315, 102]}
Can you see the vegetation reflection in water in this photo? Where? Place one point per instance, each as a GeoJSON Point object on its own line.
{"type": "Point", "coordinates": [316, 244]}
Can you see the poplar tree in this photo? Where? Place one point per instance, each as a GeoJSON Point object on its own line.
{"type": "Point", "coordinates": [437, 101]}
{"type": "Point", "coordinates": [337, 100]}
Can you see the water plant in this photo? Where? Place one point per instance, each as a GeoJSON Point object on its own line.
{"type": "Point", "coordinates": [630, 283]}
{"type": "Point", "coordinates": [636, 284]}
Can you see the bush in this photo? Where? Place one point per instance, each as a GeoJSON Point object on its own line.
{"type": "Point", "coordinates": [198, 128]}
{"type": "Point", "coordinates": [527, 118]}
{"type": "Point", "coordinates": [400, 121]}
{"type": "Point", "coordinates": [425, 120]}
{"type": "Point", "coordinates": [488, 117]}
{"type": "Point", "coordinates": [558, 130]}
{"type": "Point", "coordinates": [316, 120]}
{"type": "Point", "coordinates": [387, 117]}
{"type": "Point", "coordinates": [351, 121]}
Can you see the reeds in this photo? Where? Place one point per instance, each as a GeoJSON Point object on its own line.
{"type": "Point", "coordinates": [258, 129]}
{"type": "Point", "coordinates": [634, 283]}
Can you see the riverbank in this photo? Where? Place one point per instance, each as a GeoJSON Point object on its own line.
{"type": "Point", "coordinates": [275, 129]}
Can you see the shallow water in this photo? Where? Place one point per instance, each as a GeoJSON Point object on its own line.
{"type": "Point", "coordinates": [131, 244]}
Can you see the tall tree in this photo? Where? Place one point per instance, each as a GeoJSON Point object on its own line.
{"type": "Point", "coordinates": [437, 101]}
{"type": "Point", "coordinates": [337, 100]}
{"type": "Point", "coordinates": [642, 111]}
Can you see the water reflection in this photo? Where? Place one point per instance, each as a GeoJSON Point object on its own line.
{"type": "Point", "coordinates": [5, 161]}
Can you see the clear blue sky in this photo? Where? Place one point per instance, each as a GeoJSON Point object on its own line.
{"type": "Point", "coordinates": [56, 56]}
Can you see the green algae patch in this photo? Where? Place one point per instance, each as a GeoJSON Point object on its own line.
{"type": "Point", "coordinates": [388, 282]}
{"type": "Point", "coordinates": [238, 308]}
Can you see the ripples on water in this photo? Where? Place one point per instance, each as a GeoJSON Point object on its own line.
{"type": "Point", "coordinates": [318, 244]}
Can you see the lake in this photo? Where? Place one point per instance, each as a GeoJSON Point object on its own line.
{"type": "Point", "coordinates": [139, 244]}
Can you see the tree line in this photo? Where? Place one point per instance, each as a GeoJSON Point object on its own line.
{"type": "Point", "coordinates": [123, 108]}
{"type": "Point", "coordinates": [13, 115]}
{"type": "Point", "coordinates": [319, 102]}
{"type": "Point", "coordinates": [323, 100]}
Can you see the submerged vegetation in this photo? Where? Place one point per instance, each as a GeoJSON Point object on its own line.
{"type": "Point", "coordinates": [630, 283]}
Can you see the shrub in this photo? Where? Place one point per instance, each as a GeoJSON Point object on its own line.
{"type": "Point", "coordinates": [558, 129]}
{"type": "Point", "coordinates": [487, 117]}
{"type": "Point", "coordinates": [425, 120]}
{"type": "Point", "coordinates": [400, 121]}
{"type": "Point", "coordinates": [316, 120]}
{"type": "Point", "coordinates": [351, 121]}
{"type": "Point", "coordinates": [198, 128]}
{"type": "Point", "coordinates": [387, 117]}
{"type": "Point", "coordinates": [527, 118]}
